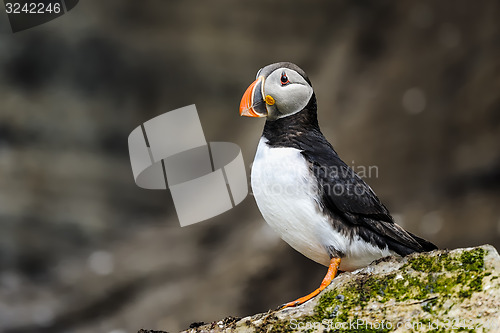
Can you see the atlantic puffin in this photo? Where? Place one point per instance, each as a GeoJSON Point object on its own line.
{"type": "Point", "coordinates": [305, 192]}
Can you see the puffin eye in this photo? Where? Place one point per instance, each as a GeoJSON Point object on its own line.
{"type": "Point", "coordinates": [284, 79]}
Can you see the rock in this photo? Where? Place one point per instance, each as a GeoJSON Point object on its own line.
{"type": "Point", "coordinates": [438, 291]}
{"type": "Point", "coordinates": [72, 90]}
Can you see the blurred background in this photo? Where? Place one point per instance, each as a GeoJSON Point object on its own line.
{"type": "Point", "coordinates": [411, 87]}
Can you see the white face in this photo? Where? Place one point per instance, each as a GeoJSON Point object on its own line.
{"type": "Point", "coordinates": [290, 92]}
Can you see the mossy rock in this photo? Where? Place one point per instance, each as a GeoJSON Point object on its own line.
{"type": "Point", "coordinates": [440, 291]}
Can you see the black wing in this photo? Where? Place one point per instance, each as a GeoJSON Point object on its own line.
{"type": "Point", "coordinates": [346, 196]}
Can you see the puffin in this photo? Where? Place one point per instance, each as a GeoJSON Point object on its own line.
{"type": "Point", "coordinates": [303, 189]}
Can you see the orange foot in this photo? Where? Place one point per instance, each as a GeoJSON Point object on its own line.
{"type": "Point", "coordinates": [332, 271]}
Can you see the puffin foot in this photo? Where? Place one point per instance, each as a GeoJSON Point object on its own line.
{"type": "Point", "coordinates": [332, 271]}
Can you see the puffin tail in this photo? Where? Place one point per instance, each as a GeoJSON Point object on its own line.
{"type": "Point", "coordinates": [426, 245]}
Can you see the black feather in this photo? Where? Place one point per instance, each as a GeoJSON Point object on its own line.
{"type": "Point", "coordinates": [353, 206]}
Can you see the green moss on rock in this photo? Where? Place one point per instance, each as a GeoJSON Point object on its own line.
{"type": "Point", "coordinates": [472, 260]}
{"type": "Point", "coordinates": [426, 290]}
{"type": "Point", "coordinates": [428, 280]}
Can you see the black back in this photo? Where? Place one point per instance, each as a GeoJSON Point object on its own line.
{"type": "Point", "coordinates": [352, 205]}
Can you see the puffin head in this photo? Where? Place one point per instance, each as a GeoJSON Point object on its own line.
{"type": "Point", "coordinates": [280, 90]}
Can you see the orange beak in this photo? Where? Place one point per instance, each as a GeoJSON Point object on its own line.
{"type": "Point", "coordinates": [252, 103]}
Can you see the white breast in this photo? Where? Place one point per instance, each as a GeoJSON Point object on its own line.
{"type": "Point", "coordinates": [287, 195]}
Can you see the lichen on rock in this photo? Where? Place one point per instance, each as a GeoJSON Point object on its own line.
{"type": "Point", "coordinates": [439, 291]}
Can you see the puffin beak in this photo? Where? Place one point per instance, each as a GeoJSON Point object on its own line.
{"type": "Point", "coordinates": [252, 103]}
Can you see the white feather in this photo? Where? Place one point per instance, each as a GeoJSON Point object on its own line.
{"type": "Point", "coordinates": [287, 195]}
{"type": "Point", "coordinates": [290, 98]}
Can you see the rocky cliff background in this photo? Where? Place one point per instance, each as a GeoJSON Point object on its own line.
{"type": "Point", "coordinates": [410, 87]}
